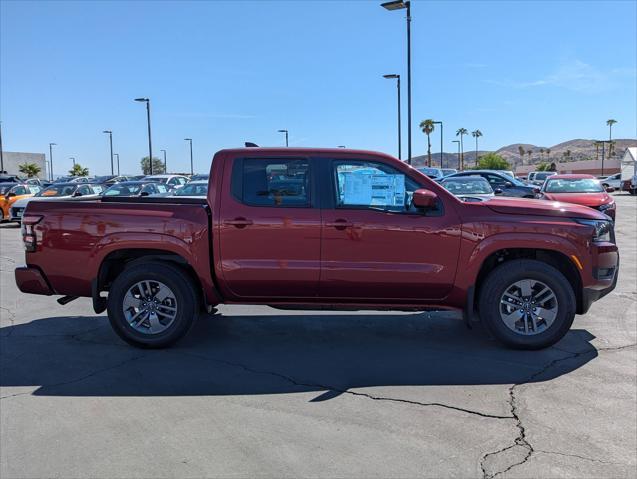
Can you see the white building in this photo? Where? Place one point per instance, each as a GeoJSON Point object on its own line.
{"type": "Point", "coordinates": [12, 161]}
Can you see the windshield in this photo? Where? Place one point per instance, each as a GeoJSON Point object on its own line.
{"type": "Point", "coordinates": [198, 189]}
{"type": "Point", "coordinates": [60, 190]}
{"type": "Point", "coordinates": [5, 187]}
{"type": "Point", "coordinates": [448, 171]}
{"type": "Point", "coordinates": [199, 177]}
{"type": "Point", "coordinates": [122, 189]}
{"type": "Point", "coordinates": [543, 176]}
{"type": "Point", "coordinates": [468, 186]}
{"type": "Point", "coordinates": [156, 179]}
{"type": "Point", "coordinates": [573, 185]}
{"type": "Point", "coordinates": [430, 172]}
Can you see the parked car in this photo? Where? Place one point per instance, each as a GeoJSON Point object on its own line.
{"type": "Point", "coordinates": [388, 239]}
{"type": "Point", "coordinates": [109, 180]}
{"type": "Point", "coordinates": [540, 177]}
{"type": "Point", "coordinates": [498, 180]}
{"type": "Point", "coordinates": [136, 188]}
{"type": "Point", "coordinates": [9, 179]}
{"type": "Point", "coordinates": [200, 177]}
{"type": "Point", "coordinates": [57, 191]}
{"type": "Point", "coordinates": [469, 188]}
{"type": "Point", "coordinates": [72, 179]}
{"type": "Point", "coordinates": [585, 190]}
{"type": "Point", "coordinates": [434, 173]}
{"type": "Point", "coordinates": [173, 182]}
{"type": "Point", "coordinates": [448, 171]}
{"type": "Point", "coordinates": [612, 181]}
{"type": "Point", "coordinates": [12, 192]}
{"type": "Point", "coordinates": [509, 173]}
{"type": "Point", "coordinates": [194, 189]}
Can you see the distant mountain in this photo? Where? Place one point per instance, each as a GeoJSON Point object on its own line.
{"type": "Point", "coordinates": [575, 150]}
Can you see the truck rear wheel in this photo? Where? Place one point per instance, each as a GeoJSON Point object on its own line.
{"type": "Point", "coordinates": [152, 305]}
{"type": "Point", "coordinates": [527, 304]}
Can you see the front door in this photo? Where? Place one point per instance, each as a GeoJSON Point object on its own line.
{"type": "Point", "coordinates": [376, 246]}
{"type": "Point", "coordinates": [269, 229]}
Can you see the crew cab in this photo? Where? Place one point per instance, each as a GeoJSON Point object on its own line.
{"type": "Point", "coordinates": [321, 229]}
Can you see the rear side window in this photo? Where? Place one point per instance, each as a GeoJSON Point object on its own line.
{"type": "Point", "coordinates": [272, 182]}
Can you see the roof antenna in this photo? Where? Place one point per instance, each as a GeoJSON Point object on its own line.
{"type": "Point", "coordinates": [249, 144]}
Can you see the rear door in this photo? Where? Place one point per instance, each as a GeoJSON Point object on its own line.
{"type": "Point", "coordinates": [269, 228]}
{"type": "Point", "coordinates": [376, 245]}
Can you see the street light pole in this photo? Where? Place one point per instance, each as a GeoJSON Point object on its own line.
{"type": "Point", "coordinates": [399, 5]}
{"type": "Point", "coordinates": [51, 145]}
{"type": "Point", "coordinates": [192, 171]}
{"type": "Point", "coordinates": [1, 154]}
{"type": "Point", "coordinates": [150, 143]}
{"type": "Point", "coordinates": [165, 165]}
{"type": "Point", "coordinates": [110, 137]}
{"type": "Point", "coordinates": [286, 136]}
{"type": "Point", "coordinates": [458, 142]}
{"type": "Point", "coordinates": [397, 77]}
{"type": "Point", "coordinates": [117, 155]}
{"type": "Point", "coordinates": [72, 158]}
{"type": "Point", "coordinates": [441, 136]}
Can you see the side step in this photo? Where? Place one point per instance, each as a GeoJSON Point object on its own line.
{"type": "Point", "coordinates": [64, 300]}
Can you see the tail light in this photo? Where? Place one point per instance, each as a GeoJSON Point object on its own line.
{"type": "Point", "coordinates": [29, 236]}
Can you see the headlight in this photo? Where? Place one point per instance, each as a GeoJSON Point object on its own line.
{"type": "Point", "coordinates": [602, 230]}
{"type": "Point", "coordinates": [609, 206]}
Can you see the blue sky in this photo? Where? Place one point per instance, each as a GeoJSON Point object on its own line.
{"type": "Point", "coordinates": [222, 73]}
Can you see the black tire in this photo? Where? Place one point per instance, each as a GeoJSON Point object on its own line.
{"type": "Point", "coordinates": [503, 276]}
{"type": "Point", "coordinates": [185, 295]}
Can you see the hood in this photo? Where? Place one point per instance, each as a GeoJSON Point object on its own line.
{"type": "Point", "coordinates": [592, 200]}
{"type": "Point", "coordinates": [523, 206]}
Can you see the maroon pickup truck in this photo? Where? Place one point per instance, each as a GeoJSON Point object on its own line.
{"type": "Point", "coordinates": [321, 229]}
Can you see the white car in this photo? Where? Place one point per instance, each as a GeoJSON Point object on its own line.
{"type": "Point", "coordinates": [612, 181]}
{"type": "Point", "coordinates": [471, 189]}
{"type": "Point", "coordinates": [433, 173]}
{"type": "Point", "coordinates": [173, 182]}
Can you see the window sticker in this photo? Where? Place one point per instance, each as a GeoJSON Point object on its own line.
{"type": "Point", "coordinates": [373, 189]}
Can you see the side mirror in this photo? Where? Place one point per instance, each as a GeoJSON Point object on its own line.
{"type": "Point", "coordinates": [609, 189]}
{"type": "Point", "coordinates": [536, 191]}
{"type": "Point", "coordinates": [77, 193]}
{"type": "Point", "coordinates": [508, 184]}
{"type": "Point", "coordinates": [424, 198]}
{"type": "Point", "coordinates": [144, 193]}
{"type": "Point", "coordinates": [498, 191]}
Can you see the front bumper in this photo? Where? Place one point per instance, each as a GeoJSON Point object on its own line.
{"type": "Point", "coordinates": [16, 213]}
{"type": "Point", "coordinates": [602, 288]}
{"type": "Point", "coordinates": [32, 280]}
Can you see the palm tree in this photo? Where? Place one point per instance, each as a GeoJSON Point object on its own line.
{"type": "Point", "coordinates": [548, 153]}
{"type": "Point", "coordinates": [610, 124]}
{"type": "Point", "coordinates": [529, 152]}
{"type": "Point", "coordinates": [29, 169]}
{"type": "Point", "coordinates": [541, 154]}
{"type": "Point", "coordinates": [476, 134]}
{"type": "Point", "coordinates": [78, 170]}
{"type": "Point", "coordinates": [427, 127]}
{"type": "Point", "coordinates": [522, 152]}
{"type": "Point", "coordinates": [461, 132]}
{"type": "Point", "coordinates": [568, 154]}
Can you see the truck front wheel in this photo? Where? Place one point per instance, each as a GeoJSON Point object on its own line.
{"type": "Point", "coordinates": [527, 304]}
{"type": "Point", "coordinates": [152, 305]}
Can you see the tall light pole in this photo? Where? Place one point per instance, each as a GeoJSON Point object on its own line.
{"type": "Point", "coordinates": [165, 166]}
{"type": "Point", "coordinates": [150, 143]}
{"type": "Point", "coordinates": [1, 154]}
{"type": "Point", "coordinates": [72, 158]}
{"type": "Point", "coordinates": [110, 138]}
{"type": "Point", "coordinates": [286, 136]}
{"type": "Point", "coordinates": [458, 142]}
{"type": "Point", "coordinates": [399, 5]}
{"type": "Point", "coordinates": [117, 155]}
{"type": "Point", "coordinates": [397, 77]}
{"type": "Point", "coordinates": [51, 145]}
{"type": "Point", "coordinates": [441, 135]}
{"type": "Point", "coordinates": [192, 171]}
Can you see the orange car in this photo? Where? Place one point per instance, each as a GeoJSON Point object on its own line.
{"type": "Point", "coordinates": [11, 192]}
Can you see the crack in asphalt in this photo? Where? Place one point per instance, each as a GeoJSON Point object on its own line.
{"type": "Point", "coordinates": [329, 388]}
{"type": "Point", "coordinates": [81, 378]}
{"type": "Point", "coordinates": [521, 439]}
{"type": "Point", "coordinates": [577, 456]}
{"type": "Point", "coordinates": [11, 320]}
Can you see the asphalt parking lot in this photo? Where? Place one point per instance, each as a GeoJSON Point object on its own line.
{"type": "Point", "coordinates": [256, 392]}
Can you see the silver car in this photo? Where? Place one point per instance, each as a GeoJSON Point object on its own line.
{"type": "Point", "coordinates": [469, 188]}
